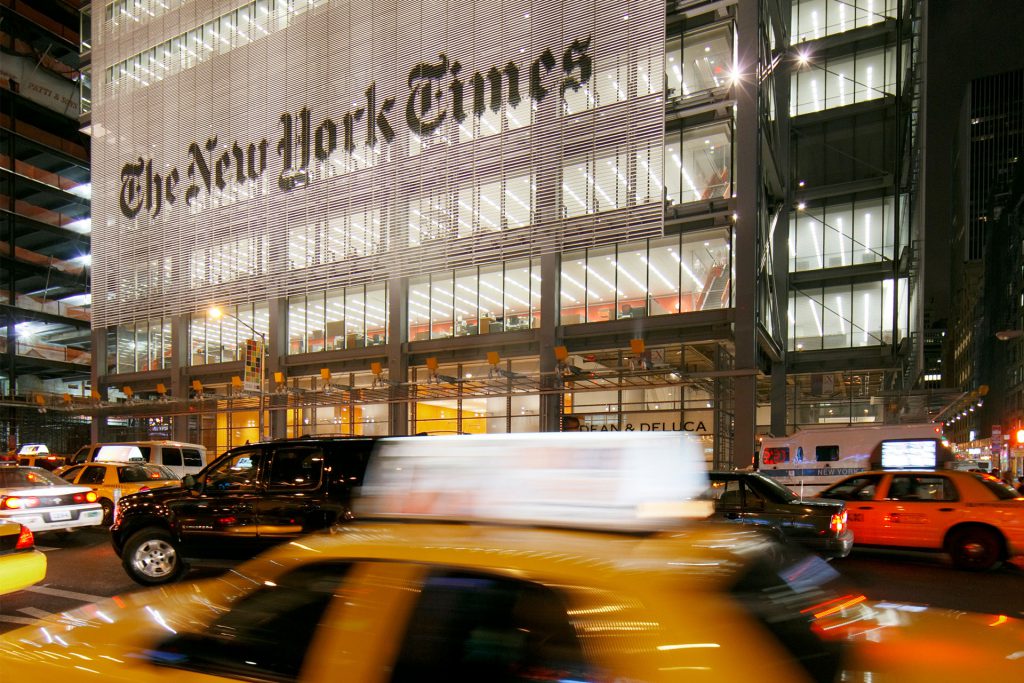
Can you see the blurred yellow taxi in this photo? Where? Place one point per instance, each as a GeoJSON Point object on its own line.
{"type": "Point", "coordinates": [973, 516]}
{"type": "Point", "coordinates": [21, 565]}
{"type": "Point", "coordinates": [525, 576]}
{"type": "Point", "coordinates": [111, 480]}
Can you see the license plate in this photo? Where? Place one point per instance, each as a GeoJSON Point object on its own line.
{"type": "Point", "coordinates": [60, 514]}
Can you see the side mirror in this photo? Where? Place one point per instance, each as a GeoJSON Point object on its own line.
{"type": "Point", "coordinates": [189, 482]}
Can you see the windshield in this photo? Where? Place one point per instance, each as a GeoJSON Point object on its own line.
{"type": "Point", "coordinates": [130, 474]}
{"type": "Point", "coordinates": [20, 477]}
{"type": "Point", "coordinates": [997, 488]}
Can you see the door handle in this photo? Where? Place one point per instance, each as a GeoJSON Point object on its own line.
{"type": "Point", "coordinates": [946, 509]}
{"type": "Point", "coordinates": [865, 507]}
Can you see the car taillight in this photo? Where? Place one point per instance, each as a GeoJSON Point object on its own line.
{"type": "Point", "coordinates": [143, 489]}
{"type": "Point", "coordinates": [25, 539]}
{"type": "Point", "coordinates": [19, 503]}
{"type": "Point", "coordinates": [91, 497]}
{"type": "Point", "coordinates": [838, 522]}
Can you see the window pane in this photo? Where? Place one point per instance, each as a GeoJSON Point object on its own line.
{"type": "Point", "coordinates": [707, 60]}
{"type": "Point", "coordinates": [297, 324]}
{"type": "Point", "coordinates": [441, 306]}
{"type": "Point", "coordinates": [601, 279]}
{"type": "Point", "coordinates": [419, 308]}
{"type": "Point", "coordinates": [466, 318]}
{"type": "Point", "coordinates": [663, 267]}
{"type": "Point", "coordinates": [574, 293]}
{"type": "Point", "coordinates": [334, 320]}
{"type": "Point", "coordinates": [631, 267]}
{"type": "Point", "coordinates": [491, 295]}
{"type": "Point", "coordinates": [517, 295]}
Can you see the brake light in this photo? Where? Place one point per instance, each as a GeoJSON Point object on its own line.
{"type": "Point", "coordinates": [19, 503]}
{"type": "Point", "coordinates": [143, 489]}
{"type": "Point", "coordinates": [838, 522]}
{"type": "Point", "coordinates": [25, 539]}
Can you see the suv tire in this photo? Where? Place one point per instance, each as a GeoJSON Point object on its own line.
{"type": "Point", "coordinates": [151, 557]}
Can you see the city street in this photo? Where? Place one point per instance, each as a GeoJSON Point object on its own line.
{"type": "Point", "coordinates": [82, 568]}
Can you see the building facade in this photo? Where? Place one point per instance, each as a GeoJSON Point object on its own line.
{"type": "Point", "coordinates": [433, 218]}
{"type": "Point", "coordinates": [45, 223]}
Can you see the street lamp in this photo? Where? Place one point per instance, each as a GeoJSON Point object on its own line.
{"type": "Point", "coordinates": [216, 313]}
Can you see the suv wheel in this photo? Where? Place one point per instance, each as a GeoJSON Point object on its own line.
{"type": "Point", "coordinates": [151, 557]}
{"type": "Point", "coordinates": [975, 549]}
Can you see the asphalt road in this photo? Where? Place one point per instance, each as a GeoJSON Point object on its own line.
{"type": "Point", "coordinates": [82, 568]}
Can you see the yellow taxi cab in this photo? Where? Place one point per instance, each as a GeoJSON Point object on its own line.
{"type": "Point", "coordinates": [111, 480]}
{"type": "Point", "coordinates": [973, 516]}
{"type": "Point", "coordinates": [21, 565]}
{"type": "Point", "coordinates": [48, 461]}
{"type": "Point", "coordinates": [468, 566]}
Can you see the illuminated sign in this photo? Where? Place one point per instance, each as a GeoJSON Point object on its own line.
{"type": "Point", "coordinates": [909, 454]}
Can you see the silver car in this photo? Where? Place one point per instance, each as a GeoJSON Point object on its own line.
{"type": "Point", "coordinates": [42, 501]}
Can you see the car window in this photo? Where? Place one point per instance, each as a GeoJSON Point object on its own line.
{"type": "Point", "coordinates": [193, 458]}
{"type": "Point", "coordinates": [264, 636]}
{"type": "Point", "coordinates": [172, 456]}
{"type": "Point", "coordinates": [134, 474]}
{"type": "Point", "coordinates": [296, 467]}
{"type": "Point", "coordinates": [70, 474]}
{"type": "Point", "coordinates": [19, 477]}
{"type": "Point", "coordinates": [772, 489]}
{"type": "Point", "coordinates": [725, 491]}
{"type": "Point", "coordinates": [826, 453]}
{"type": "Point", "coordinates": [237, 471]}
{"type": "Point", "coordinates": [475, 627]}
{"type": "Point", "coordinates": [94, 474]}
{"type": "Point", "coordinates": [920, 487]}
{"type": "Point", "coordinates": [1000, 490]}
{"type": "Point", "coordinates": [854, 488]}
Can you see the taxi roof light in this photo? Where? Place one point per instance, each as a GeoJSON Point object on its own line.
{"type": "Point", "coordinates": [624, 481]}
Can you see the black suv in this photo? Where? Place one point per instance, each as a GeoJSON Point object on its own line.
{"type": "Point", "coordinates": [248, 499]}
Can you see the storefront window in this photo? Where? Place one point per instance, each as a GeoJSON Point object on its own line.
{"type": "Point", "coordinates": [698, 163]}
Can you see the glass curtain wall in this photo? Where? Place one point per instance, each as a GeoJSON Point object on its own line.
{"type": "Point", "coordinates": [222, 339]}
{"type": "Point", "coordinates": [677, 274]}
{"type": "Point", "coordinates": [502, 297]}
{"type": "Point", "coordinates": [699, 163]}
{"type": "Point", "coordinates": [813, 19]}
{"type": "Point", "coordinates": [842, 234]}
{"type": "Point", "coordinates": [700, 62]}
{"type": "Point", "coordinates": [846, 315]}
{"type": "Point", "coordinates": [141, 346]}
{"type": "Point", "coordinates": [843, 80]}
{"type": "Point", "coordinates": [348, 318]}
{"type": "Point", "coordinates": [344, 416]}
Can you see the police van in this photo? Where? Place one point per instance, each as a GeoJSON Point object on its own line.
{"type": "Point", "coordinates": [811, 459]}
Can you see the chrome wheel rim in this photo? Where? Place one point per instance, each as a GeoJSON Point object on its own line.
{"type": "Point", "coordinates": [155, 558]}
{"type": "Point", "coordinates": [973, 549]}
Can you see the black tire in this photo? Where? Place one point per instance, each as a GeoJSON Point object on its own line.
{"type": "Point", "coordinates": [151, 557]}
{"type": "Point", "coordinates": [976, 549]}
{"type": "Point", "coordinates": [108, 512]}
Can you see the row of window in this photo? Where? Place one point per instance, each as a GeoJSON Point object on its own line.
{"type": "Point", "coordinates": [839, 81]}
{"type": "Point", "coordinates": [813, 19]}
{"type": "Point", "coordinates": [663, 276]}
{"type": "Point", "coordinates": [843, 234]}
{"type": "Point", "coordinates": [846, 315]}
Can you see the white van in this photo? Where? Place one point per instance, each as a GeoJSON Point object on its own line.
{"type": "Point", "coordinates": [181, 458]}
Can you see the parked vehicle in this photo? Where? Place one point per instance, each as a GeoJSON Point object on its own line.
{"type": "Point", "coordinates": [42, 501]}
{"type": "Point", "coordinates": [250, 498]}
{"type": "Point", "coordinates": [47, 461]}
{"type": "Point", "coordinates": [973, 516]}
{"type": "Point", "coordinates": [180, 457]}
{"type": "Point", "coordinates": [810, 459]}
{"type": "Point", "coordinates": [751, 498]}
{"type": "Point", "coordinates": [111, 480]}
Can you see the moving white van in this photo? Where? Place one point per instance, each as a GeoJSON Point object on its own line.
{"type": "Point", "coordinates": [181, 458]}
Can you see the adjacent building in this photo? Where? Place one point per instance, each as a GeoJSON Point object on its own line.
{"type": "Point", "coordinates": [433, 218]}
{"type": "Point", "coordinates": [45, 343]}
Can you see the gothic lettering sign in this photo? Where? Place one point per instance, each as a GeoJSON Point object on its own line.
{"type": "Point", "coordinates": [437, 91]}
